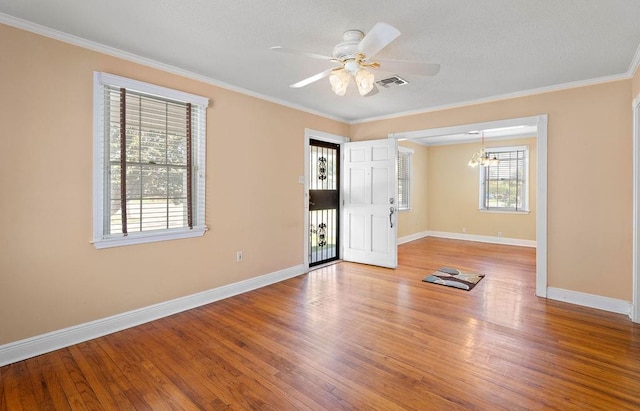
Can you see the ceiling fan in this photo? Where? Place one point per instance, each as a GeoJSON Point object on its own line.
{"type": "Point", "coordinates": [355, 56]}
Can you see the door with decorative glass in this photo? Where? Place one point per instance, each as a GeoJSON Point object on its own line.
{"type": "Point", "coordinates": [324, 201]}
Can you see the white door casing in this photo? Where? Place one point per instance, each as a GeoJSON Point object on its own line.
{"type": "Point", "coordinates": [635, 305]}
{"type": "Point", "coordinates": [369, 193]}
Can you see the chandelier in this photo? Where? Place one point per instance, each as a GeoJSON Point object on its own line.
{"type": "Point", "coordinates": [481, 158]}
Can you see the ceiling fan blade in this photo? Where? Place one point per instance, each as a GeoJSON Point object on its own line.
{"type": "Point", "coordinates": [378, 38]}
{"type": "Point", "coordinates": [311, 79]}
{"type": "Point", "coordinates": [300, 53]}
{"type": "Point", "coordinates": [409, 67]}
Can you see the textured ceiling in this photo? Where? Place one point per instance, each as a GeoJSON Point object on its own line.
{"type": "Point", "coordinates": [487, 48]}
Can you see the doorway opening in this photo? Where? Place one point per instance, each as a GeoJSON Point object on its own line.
{"type": "Point", "coordinates": [324, 202]}
{"type": "Point", "coordinates": [310, 224]}
{"type": "Point", "coordinates": [539, 123]}
{"type": "Point", "coordinates": [366, 221]}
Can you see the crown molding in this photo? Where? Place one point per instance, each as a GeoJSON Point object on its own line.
{"type": "Point", "coordinates": [635, 63]}
{"type": "Point", "coordinates": [91, 45]}
{"type": "Point", "coordinates": [134, 58]}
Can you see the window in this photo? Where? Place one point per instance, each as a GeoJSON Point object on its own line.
{"type": "Point", "coordinates": [149, 159]}
{"type": "Point", "coordinates": [403, 170]}
{"type": "Point", "coordinates": [505, 186]}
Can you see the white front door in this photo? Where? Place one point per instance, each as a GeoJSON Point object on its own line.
{"type": "Point", "coordinates": [369, 193]}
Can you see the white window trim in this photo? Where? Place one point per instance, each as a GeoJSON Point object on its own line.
{"type": "Point", "coordinates": [481, 174]}
{"type": "Point", "coordinates": [199, 228]}
{"type": "Point", "coordinates": [410, 151]}
{"type": "Point", "coordinates": [497, 210]}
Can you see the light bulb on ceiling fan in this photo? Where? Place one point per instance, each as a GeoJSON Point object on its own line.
{"type": "Point", "coordinates": [339, 80]}
{"type": "Point", "coordinates": [352, 66]}
{"type": "Point", "coordinates": [364, 81]}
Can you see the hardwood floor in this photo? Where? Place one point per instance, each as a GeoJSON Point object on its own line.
{"type": "Point", "coordinates": [351, 336]}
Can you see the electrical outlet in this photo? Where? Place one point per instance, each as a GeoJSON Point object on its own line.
{"type": "Point", "coordinates": [499, 234]}
{"type": "Point", "coordinates": [464, 229]}
{"type": "Point", "coordinates": [238, 256]}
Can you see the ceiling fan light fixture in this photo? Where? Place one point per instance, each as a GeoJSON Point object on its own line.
{"type": "Point", "coordinates": [352, 66]}
{"type": "Point", "coordinates": [355, 53]}
{"type": "Point", "coordinates": [339, 80]}
{"type": "Point", "coordinates": [364, 81]}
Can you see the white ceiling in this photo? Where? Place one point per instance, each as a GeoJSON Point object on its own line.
{"type": "Point", "coordinates": [487, 48]}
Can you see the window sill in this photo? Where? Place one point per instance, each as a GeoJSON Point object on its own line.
{"type": "Point", "coordinates": [144, 238]}
{"type": "Point", "coordinates": [497, 211]}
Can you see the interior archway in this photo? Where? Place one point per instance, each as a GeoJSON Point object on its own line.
{"type": "Point", "coordinates": [457, 133]}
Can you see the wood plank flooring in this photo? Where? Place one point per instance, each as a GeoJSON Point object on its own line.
{"type": "Point", "coordinates": [352, 336]}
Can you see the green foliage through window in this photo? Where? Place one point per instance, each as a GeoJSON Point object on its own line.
{"type": "Point", "coordinates": [156, 138]}
{"type": "Point", "coordinates": [505, 184]}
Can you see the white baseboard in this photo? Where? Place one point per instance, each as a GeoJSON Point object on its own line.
{"type": "Point", "coordinates": [483, 238]}
{"type": "Point", "coordinates": [467, 237]}
{"type": "Point", "coordinates": [412, 237]}
{"type": "Point", "coordinates": [590, 300]}
{"type": "Point", "coordinates": [40, 344]}
{"type": "Point", "coordinates": [573, 297]}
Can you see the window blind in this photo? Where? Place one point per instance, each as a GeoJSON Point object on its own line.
{"type": "Point", "coordinates": [505, 184]}
{"type": "Point", "coordinates": [149, 162]}
{"type": "Point", "coordinates": [149, 150]}
{"type": "Point", "coordinates": [404, 183]}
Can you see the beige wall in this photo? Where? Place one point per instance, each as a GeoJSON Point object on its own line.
{"type": "Point", "coordinates": [444, 194]}
{"type": "Point", "coordinates": [50, 275]}
{"type": "Point", "coordinates": [416, 220]}
{"type": "Point", "coordinates": [589, 205]}
{"type": "Point", "coordinates": [453, 194]}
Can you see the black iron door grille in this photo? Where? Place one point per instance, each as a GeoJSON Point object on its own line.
{"type": "Point", "coordinates": [324, 202]}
